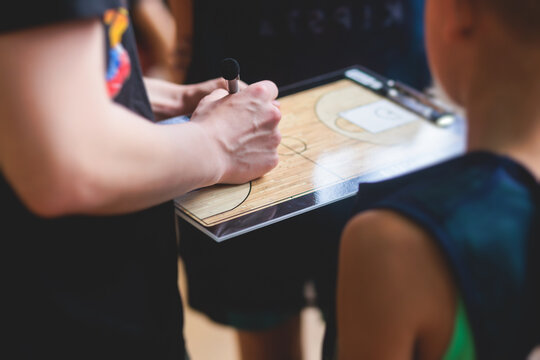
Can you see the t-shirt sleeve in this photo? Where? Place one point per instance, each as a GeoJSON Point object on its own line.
{"type": "Point", "coordinates": [22, 14]}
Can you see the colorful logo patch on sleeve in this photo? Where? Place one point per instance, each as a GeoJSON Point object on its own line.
{"type": "Point", "coordinates": [119, 65]}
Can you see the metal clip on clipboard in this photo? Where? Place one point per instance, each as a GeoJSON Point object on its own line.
{"type": "Point", "coordinates": [405, 96]}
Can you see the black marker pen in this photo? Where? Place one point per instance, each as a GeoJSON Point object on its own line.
{"type": "Point", "coordinates": [230, 70]}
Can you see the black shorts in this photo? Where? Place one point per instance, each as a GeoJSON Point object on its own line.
{"type": "Point", "coordinates": [257, 281]}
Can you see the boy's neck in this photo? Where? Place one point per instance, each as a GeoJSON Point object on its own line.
{"type": "Point", "coordinates": [504, 116]}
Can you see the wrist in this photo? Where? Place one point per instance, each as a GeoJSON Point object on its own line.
{"type": "Point", "coordinates": [215, 160]}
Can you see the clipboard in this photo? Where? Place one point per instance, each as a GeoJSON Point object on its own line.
{"type": "Point", "coordinates": [338, 130]}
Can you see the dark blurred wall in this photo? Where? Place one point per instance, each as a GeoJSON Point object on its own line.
{"type": "Point", "coordinates": [291, 40]}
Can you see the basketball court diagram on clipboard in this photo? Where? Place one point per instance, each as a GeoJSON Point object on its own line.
{"type": "Point", "coordinates": [334, 136]}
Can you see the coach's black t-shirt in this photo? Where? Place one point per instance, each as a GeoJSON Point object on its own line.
{"type": "Point", "coordinates": [83, 287]}
{"type": "Point", "coordinates": [291, 40]}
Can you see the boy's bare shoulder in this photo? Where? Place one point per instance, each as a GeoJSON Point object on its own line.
{"type": "Point", "coordinates": [387, 228]}
{"type": "Point", "coordinates": [402, 264]}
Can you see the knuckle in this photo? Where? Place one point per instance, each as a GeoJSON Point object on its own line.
{"type": "Point", "coordinates": [270, 86]}
{"type": "Point", "coordinates": [276, 139]}
{"type": "Point", "coordinates": [272, 116]}
{"type": "Point", "coordinates": [258, 90]}
{"type": "Point", "coordinates": [276, 114]}
{"type": "Point", "coordinates": [274, 160]}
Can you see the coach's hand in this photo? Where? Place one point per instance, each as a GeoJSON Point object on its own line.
{"type": "Point", "coordinates": [242, 129]}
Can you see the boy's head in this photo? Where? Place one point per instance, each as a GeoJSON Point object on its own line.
{"type": "Point", "coordinates": [478, 40]}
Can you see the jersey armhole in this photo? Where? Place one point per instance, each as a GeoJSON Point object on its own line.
{"type": "Point", "coordinates": [462, 343]}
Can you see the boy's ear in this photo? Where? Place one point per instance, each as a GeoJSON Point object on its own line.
{"type": "Point", "coordinates": [461, 18]}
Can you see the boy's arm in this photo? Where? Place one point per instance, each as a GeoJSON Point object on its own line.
{"type": "Point", "coordinates": [183, 13]}
{"type": "Point", "coordinates": [157, 34]}
{"type": "Point", "coordinates": [66, 148]}
{"type": "Point", "coordinates": [395, 293]}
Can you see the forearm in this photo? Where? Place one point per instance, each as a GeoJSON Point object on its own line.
{"type": "Point", "coordinates": [121, 163]}
{"type": "Point", "coordinates": [182, 11]}
{"type": "Point", "coordinates": [141, 164]}
{"type": "Point", "coordinates": [157, 30]}
{"type": "Point", "coordinates": [66, 148]}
